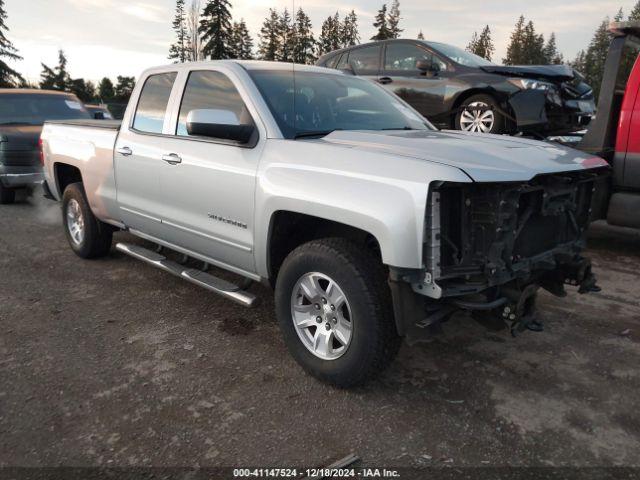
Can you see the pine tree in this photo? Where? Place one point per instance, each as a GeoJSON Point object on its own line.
{"type": "Point", "coordinates": [305, 45]}
{"type": "Point", "coordinates": [533, 46]}
{"type": "Point", "coordinates": [194, 44]}
{"type": "Point", "coordinates": [330, 35]}
{"type": "Point", "coordinates": [635, 12]}
{"type": "Point", "coordinates": [270, 37]}
{"type": "Point", "coordinates": [350, 35]}
{"type": "Point", "coordinates": [516, 44]}
{"type": "Point", "coordinates": [394, 20]}
{"type": "Point", "coordinates": [619, 17]}
{"type": "Point", "coordinates": [579, 63]}
{"type": "Point", "coordinates": [595, 57]}
{"type": "Point", "coordinates": [241, 41]}
{"type": "Point", "coordinates": [382, 24]}
{"type": "Point", "coordinates": [420, 35]}
{"type": "Point", "coordinates": [8, 76]}
{"type": "Point", "coordinates": [56, 78]}
{"type": "Point", "coordinates": [285, 30]}
{"type": "Point", "coordinates": [106, 91]}
{"type": "Point", "coordinates": [526, 47]}
{"type": "Point", "coordinates": [84, 90]}
{"type": "Point", "coordinates": [179, 50]}
{"type": "Point", "coordinates": [482, 45]}
{"type": "Point", "coordinates": [215, 27]}
{"type": "Point", "coordinates": [551, 53]}
{"type": "Point", "coordinates": [124, 88]}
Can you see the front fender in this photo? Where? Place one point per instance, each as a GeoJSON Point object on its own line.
{"type": "Point", "coordinates": [529, 108]}
{"type": "Point", "coordinates": [381, 195]}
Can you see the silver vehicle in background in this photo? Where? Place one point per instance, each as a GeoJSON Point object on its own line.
{"type": "Point", "coordinates": [370, 224]}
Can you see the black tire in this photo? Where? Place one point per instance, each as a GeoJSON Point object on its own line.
{"type": "Point", "coordinates": [500, 122]}
{"type": "Point", "coordinates": [96, 241]}
{"type": "Point", "coordinates": [7, 195]}
{"type": "Point", "coordinates": [374, 339]}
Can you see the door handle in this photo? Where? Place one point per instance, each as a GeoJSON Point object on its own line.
{"type": "Point", "coordinates": [172, 158]}
{"type": "Point", "coordinates": [124, 151]}
{"type": "Point", "coordinates": [385, 80]}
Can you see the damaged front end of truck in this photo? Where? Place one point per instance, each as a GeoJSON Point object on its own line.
{"type": "Point", "coordinates": [489, 248]}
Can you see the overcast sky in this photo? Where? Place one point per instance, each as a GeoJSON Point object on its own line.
{"type": "Point", "coordinates": [123, 37]}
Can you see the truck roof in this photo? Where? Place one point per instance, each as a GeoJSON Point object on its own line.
{"type": "Point", "coordinates": [245, 64]}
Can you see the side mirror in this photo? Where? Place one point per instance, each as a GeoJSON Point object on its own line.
{"type": "Point", "coordinates": [98, 116]}
{"type": "Point", "coordinates": [223, 124]}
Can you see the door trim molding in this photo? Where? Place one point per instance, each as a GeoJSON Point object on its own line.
{"type": "Point", "coordinates": [239, 246]}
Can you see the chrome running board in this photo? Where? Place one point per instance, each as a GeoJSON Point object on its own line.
{"type": "Point", "coordinates": [198, 277]}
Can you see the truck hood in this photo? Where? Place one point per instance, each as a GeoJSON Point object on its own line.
{"type": "Point", "coordinates": [484, 158]}
{"type": "Point", "coordinates": [558, 73]}
{"type": "Point", "coordinates": [19, 137]}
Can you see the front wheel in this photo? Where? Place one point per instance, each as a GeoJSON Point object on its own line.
{"type": "Point", "coordinates": [87, 236]}
{"type": "Point", "coordinates": [335, 313]}
{"type": "Point", "coordinates": [480, 114]}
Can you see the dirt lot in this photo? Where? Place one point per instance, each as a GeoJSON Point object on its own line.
{"type": "Point", "coordinates": [111, 362]}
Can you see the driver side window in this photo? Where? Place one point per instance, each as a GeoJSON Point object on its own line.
{"type": "Point", "coordinates": [401, 57]}
{"type": "Point", "coordinates": [208, 89]}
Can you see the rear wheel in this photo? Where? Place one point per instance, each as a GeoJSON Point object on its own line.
{"type": "Point", "coordinates": [7, 195]}
{"type": "Point", "coordinates": [335, 313]}
{"type": "Point", "coordinates": [480, 114]}
{"type": "Point", "coordinates": [87, 236]}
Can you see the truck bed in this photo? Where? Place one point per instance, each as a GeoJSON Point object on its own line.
{"type": "Point", "coordinates": [86, 146]}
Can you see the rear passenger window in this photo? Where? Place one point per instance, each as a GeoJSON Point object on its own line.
{"type": "Point", "coordinates": [365, 60]}
{"type": "Point", "coordinates": [344, 62]}
{"type": "Point", "coordinates": [210, 90]}
{"type": "Point", "coordinates": [153, 102]}
{"type": "Point", "coordinates": [331, 63]}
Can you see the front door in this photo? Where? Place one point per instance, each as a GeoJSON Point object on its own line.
{"type": "Point", "coordinates": [208, 184]}
{"type": "Point", "coordinates": [424, 91]}
{"type": "Point", "coordinates": [137, 156]}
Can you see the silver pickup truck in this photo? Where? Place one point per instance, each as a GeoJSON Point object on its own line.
{"type": "Point", "coordinates": [370, 224]}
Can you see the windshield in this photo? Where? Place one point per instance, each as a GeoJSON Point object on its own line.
{"type": "Point", "coordinates": [319, 103]}
{"type": "Point", "coordinates": [459, 55]}
{"type": "Point", "coordinates": [25, 109]}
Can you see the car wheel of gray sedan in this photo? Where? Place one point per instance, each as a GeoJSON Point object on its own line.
{"type": "Point", "coordinates": [87, 236]}
{"type": "Point", "coordinates": [480, 114]}
{"type": "Point", "coordinates": [335, 313]}
{"type": "Point", "coordinates": [7, 195]}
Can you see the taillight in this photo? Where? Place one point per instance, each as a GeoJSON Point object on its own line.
{"type": "Point", "coordinates": [41, 152]}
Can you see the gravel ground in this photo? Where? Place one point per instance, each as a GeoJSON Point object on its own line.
{"type": "Point", "coordinates": [113, 363]}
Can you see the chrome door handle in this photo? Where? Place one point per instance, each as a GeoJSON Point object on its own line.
{"type": "Point", "coordinates": [172, 158]}
{"type": "Point", "coordinates": [124, 151]}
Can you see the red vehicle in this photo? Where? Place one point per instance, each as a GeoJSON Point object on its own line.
{"type": "Point", "coordinates": [615, 132]}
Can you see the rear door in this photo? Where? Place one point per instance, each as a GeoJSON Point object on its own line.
{"type": "Point", "coordinates": [208, 192]}
{"type": "Point", "coordinates": [138, 155]}
{"type": "Point", "coordinates": [424, 91]}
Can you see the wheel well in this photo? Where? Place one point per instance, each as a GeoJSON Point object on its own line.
{"type": "Point", "coordinates": [289, 230]}
{"type": "Point", "coordinates": [66, 175]}
{"type": "Point", "coordinates": [470, 93]}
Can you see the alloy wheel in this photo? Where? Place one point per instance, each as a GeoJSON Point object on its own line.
{"type": "Point", "coordinates": [321, 316]}
{"type": "Point", "coordinates": [75, 222]}
{"type": "Point", "coordinates": [477, 117]}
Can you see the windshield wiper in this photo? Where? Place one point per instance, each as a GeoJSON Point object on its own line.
{"type": "Point", "coordinates": [314, 134]}
{"type": "Point", "coordinates": [17, 123]}
{"type": "Point", "coordinates": [400, 128]}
